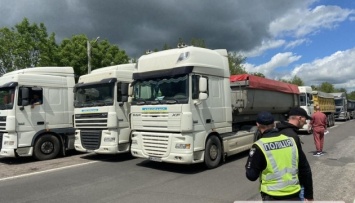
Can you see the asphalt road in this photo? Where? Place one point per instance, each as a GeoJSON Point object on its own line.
{"type": "Point", "coordinates": [92, 178]}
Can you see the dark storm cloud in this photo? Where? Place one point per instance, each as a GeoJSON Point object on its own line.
{"type": "Point", "coordinates": [138, 25]}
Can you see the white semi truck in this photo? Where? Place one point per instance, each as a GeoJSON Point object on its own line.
{"type": "Point", "coordinates": [351, 108]}
{"type": "Point", "coordinates": [36, 112]}
{"type": "Point", "coordinates": [341, 105]}
{"type": "Point", "coordinates": [101, 110]}
{"type": "Point", "coordinates": [310, 98]}
{"type": "Point", "coordinates": [187, 109]}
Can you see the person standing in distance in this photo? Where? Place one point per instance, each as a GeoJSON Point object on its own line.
{"type": "Point", "coordinates": [319, 126]}
{"type": "Point", "coordinates": [275, 160]}
{"type": "Point", "coordinates": [296, 120]}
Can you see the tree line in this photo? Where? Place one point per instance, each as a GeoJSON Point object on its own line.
{"type": "Point", "coordinates": [29, 45]}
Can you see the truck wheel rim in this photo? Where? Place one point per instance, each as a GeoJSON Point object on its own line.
{"type": "Point", "coordinates": [213, 152]}
{"type": "Point", "coordinates": [47, 147]}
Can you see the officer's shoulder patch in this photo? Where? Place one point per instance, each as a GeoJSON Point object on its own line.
{"type": "Point", "coordinates": [251, 152]}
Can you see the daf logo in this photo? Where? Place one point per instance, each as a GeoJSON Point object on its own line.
{"type": "Point", "coordinates": [136, 114]}
{"type": "Point", "coordinates": [175, 115]}
{"type": "Point", "coordinates": [21, 123]}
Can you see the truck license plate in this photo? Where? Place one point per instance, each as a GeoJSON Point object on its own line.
{"type": "Point", "coordinates": [152, 158]}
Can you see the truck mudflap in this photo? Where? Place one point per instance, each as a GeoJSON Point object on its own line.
{"type": "Point", "coordinates": [236, 142]}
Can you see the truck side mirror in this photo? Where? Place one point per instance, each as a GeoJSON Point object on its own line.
{"type": "Point", "coordinates": [124, 89]}
{"type": "Point", "coordinates": [202, 84]}
{"type": "Point", "coordinates": [202, 96]}
{"type": "Point", "coordinates": [24, 94]}
{"type": "Point", "coordinates": [130, 93]}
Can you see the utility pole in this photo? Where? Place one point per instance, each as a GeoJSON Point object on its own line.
{"type": "Point", "coordinates": [89, 53]}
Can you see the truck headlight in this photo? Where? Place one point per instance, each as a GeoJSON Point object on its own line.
{"type": "Point", "coordinates": [9, 143]}
{"type": "Point", "coordinates": [182, 146]}
{"type": "Point", "coordinates": [109, 139]}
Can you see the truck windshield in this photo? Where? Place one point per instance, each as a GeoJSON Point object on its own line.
{"type": "Point", "coordinates": [338, 102]}
{"type": "Point", "coordinates": [167, 90]}
{"type": "Point", "coordinates": [94, 95]}
{"type": "Point", "coordinates": [7, 96]}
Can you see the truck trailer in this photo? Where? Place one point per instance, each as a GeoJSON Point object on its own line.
{"type": "Point", "coordinates": [101, 110]}
{"type": "Point", "coordinates": [36, 112]}
{"type": "Point", "coordinates": [326, 103]}
{"type": "Point", "coordinates": [186, 108]}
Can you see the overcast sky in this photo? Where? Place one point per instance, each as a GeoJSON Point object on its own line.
{"type": "Point", "coordinates": [280, 38]}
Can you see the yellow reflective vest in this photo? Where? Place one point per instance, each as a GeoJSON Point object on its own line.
{"type": "Point", "coordinates": [280, 177]}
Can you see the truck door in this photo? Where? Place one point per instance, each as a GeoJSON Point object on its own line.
{"type": "Point", "coordinates": [203, 115]}
{"type": "Point", "coordinates": [30, 114]}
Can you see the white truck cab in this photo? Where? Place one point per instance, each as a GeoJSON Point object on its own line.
{"type": "Point", "coordinates": [306, 102]}
{"type": "Point", "coordinates": [36, 112]}
{"type": "Point", "coordinates": [102, 111]}
{"type": "Point", "coordinates": [186, 108]}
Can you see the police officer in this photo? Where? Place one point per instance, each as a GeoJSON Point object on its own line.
{"type": "Point", "coordinates": [274, 158]}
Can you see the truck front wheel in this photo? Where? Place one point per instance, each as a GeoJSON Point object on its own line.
{"type": "Point", "coordinates": [46, 147]}
{"type": "Point", "coordinates": [213, 152]}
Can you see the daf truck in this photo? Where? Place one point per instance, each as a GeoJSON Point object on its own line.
{"type": "Point", "coordinates": [341, 105]}
{"type": "Point", "coordinates": [101, 110]}
{"type": "Point", "coordinates": [186, 108]}
{"type": "Point", "coordinates": [309, 99]}
{"type": "Point", "coordinates": [36, 112]}
{"type": "Point", "coordinates": [351, 108]}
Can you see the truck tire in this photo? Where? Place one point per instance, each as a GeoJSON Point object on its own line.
{"type": "Point", "coordinates": [213, 152]}
{"type": "Point", "coordinates": [333, 120]}
{"type": "Point", "coordinates": [46, 147]}
{"type": "Point", "coordinates": [329, 120]}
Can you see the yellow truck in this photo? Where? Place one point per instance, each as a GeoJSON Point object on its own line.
{"type": "Point", "coordinates": [326, 103]}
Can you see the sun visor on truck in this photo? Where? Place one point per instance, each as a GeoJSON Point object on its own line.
{"type": "Point", "coordinates": [256, 82]}
{"type": "Point", "coordinates": [103, 81]}
{"type": "Point", "coordinates": [9, 84]}
{"type": "Point", "coordinates": [163, 73]}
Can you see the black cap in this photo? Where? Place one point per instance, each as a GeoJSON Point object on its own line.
{"type": "Point", "coordinates": [265, 118]}
{"type": "Point", "coordinates": [298, 111]}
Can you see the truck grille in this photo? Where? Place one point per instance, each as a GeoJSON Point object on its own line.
{"type": "Point", "coordinates": [90, 139]}
{"type": "Point", "coordinates": [94, 120]}
{"type": "Point", "coordinates": [1, 134]}
{"type": "Point", "coordinates": [155, 145]}
{"type": "Point", "coordinates": [2, 123]}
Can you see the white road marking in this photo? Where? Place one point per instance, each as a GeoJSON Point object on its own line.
{"type": "Point", "coordinates": [46, 171]}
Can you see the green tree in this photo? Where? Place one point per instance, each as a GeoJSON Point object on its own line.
{"type": "Point", "coordinates": [236, 63]}
{"type": "Point", "coordinates": [297, 81]}
{"type": "Point", "coordinates": [351, 95]}
{"type": "Point", "coordinates": [284, 80]}
{"type": "Point", "coordinates": [73, 52]}
{"type": "Point", "coordinates": [198, 42]}
{"type": "Point", "coordinates": [105, 54]}
{"type": "Point", "coordinates": [326, 87]}
{"type": "Point", "coordinates": [342, 89]}
{"type": "Point", "coordinates": [7, 50]}
{"type": "Point", "coordinates": [26, 45]}
{"type": "Point", "coordinates": [258, 74]}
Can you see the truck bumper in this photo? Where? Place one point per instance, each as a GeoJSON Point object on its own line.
{"type": "Point", "coordinates": [171, 158]}
{"type": "Point", "coordinates": [121, 148]}
{"type": "Point", "coordinates": [7, 153]}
